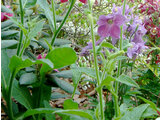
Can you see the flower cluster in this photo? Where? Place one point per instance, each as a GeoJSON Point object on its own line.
{"type": "Point", "coordinates": [150, 6]}
{"type": "Point", "coordinates": [3, 15]}
{"type": "Point", "coordinates": [109, 26]}
{"type": "Point", "coordinates": [137, 42]}
{"type": "Point", "coordinates": [152, 21]}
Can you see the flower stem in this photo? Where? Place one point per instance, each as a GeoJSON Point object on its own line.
{"type": "Point", "coordinates": [96, 63]}
{"type": "Point", "coordinates": [54, 15]}
{"type": "Point", "coordinates": [64, 20]}
{"type": "Point", "coordinates": [21, 32]}
{"type": "Point", "coordinates": [117, 110]}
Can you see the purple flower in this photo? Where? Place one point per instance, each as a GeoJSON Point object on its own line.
{"type": "Point", "coordinates": [110, 25]}
{"type": "Point", "coordinates": [116, 9]}
{"type": "Point", "coordinates": [137, 42]}
{"type": "Point", "coordinates": [136, 22]}
{"type": "Point", "coordinates": [135, 49]}
{"type": "Point", "coordinates": [119, 10]}
{"type": "Point", "coordinates": [141, 31]}
{"type": "Point", "coordinates": [85, 50]}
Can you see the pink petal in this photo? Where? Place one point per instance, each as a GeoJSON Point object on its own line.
{"type": "Point", "coordinates": [119, 19]}
{"type": "Point", "coordinates": [115, 31]}
{"type": "Point", "coordinates": [39, 56]}
{"type": "Point", "coordinates": [102, 20]}
{"type": "Point", "coordinates": [56, 70]}
{"type": "Point", "coordinates": [44, 55]}
{"type": "Point", "coordinates": [2, 16]}
{"type": "Point", "coordinates": [103, 30]}
{"type": "Point", "coordinates": [83, 1]}
{"type": "Point", "coordinates": [63, 1]}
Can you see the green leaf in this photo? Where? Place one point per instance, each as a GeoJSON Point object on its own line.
{"type": "Point", "coordinates": [108, 83]}
{"type": "Point", "coordinates": [47, 65]}
{"type": "Point", "coordinates": [127, 80]}
{"type": "Point", "coordinates": [22, 95]}
{"type": "Point", "coordinates": [81, 113]}
{"type": "Point", "coordinates": [88, 71]}
{"type": "Point", "coordinates": [6, 24]}
{"type": "Point", "coordinates": [59, 18]}
{"type": "Point", "coordinates": [126, 44]}
{"type": "Point", "coordinates": [15, 21]}
{"type": "Point", "coordinates": [34, 31]}
{"type": "Point", "coordinates": [8, 33]}
{"type": "Point", "coordinates": [115, 55]}
{"type": "Point", "coordinates": [63, 84]}
{"type": "Point", "coordinates": [30, 3]}
{"type": "Point", "coordinates": [121, 58]}
{"type": "Point", "coordinates": [49, 45]}
{"type": "Point", "coordinates": [5, 71]}
{"type": "Point", "coordinates": [136, 113]}
{"type": "Point", "coordinates": [46, 92]}
{"type": "Point", "coordinates": [16, 63]}
{"type": "Point", "coordinates": [8, 43]}
{"type": "Point", "coordinates": [59, 42]}
{"type": "Point", "coordinates": [61, 57]}
{"type": "Point", "coordinates": [107, 44]}
{"type": "Point", "coordinates": [111, 66]}
{"type": "Point", "coordinates": [48, 116]}
{"type": "Point", "coordinates": [27, 79]}
{"type": "Point", "coordinates": [63, 74]}
{"type": "Point", "coordinates": [76, 76]}
{"type": "Point", "coordinates": [36, 111]}
{"type": "Point", "coordinates": [56, 95]}
{"type": "Point", "coordinates": [149, 113]}
{"type": "Point", "coordinates": [45, 6]}
{"type": "Point", "coordinates": [152, 105]}
{"type": "Point", "coordinates": [5, 9]}
{"type": "Point", "coordinates": [70, 104]}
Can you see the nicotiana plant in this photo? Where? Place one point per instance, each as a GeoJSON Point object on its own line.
{"type": "Point", "coordinates": [28, 79]}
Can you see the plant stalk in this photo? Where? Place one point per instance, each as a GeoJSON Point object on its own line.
{"type": "Point", "coordinates": [96, 63]}
{"type": "Point", "coordinates": [54, 15]}
{"type": "Point", "coordinates": [21, 32]}
{"type": "Point", "coordinates": [117, 110]}
{"type": "Point", "coordinates": [64, 20]}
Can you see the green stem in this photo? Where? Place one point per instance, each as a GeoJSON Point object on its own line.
{"type": "Point", "coordinates": [21, 33]}
{"type": "Point", "coordinates": [117, 110]}
{"type": "Point", "coordinates": [64, 20]}
{"type": "Point", "coordinates": [40, 96]}
{"type": "Point", "coordinates": [22, 51]}
{"type": "Point", "coordinates": [9, 100]}
{"type": "Point", "coordinates": [54, 16]}
{"type": "Point", "coordinates": [96, 63]}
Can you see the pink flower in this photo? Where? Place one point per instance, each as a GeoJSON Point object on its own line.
{"type": "Point", "coordinates": [41, 57]}
{"type": "Point", "coordinates": [110, 25]}
{"type": "Point", "coordinates": [83, 1]}
{"type": "Point", "coordinates": [4, 15]}
{"type": "Point", "coordinates": [158, 112]}
{"type": "Point", "coordinates": [62, 1]}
